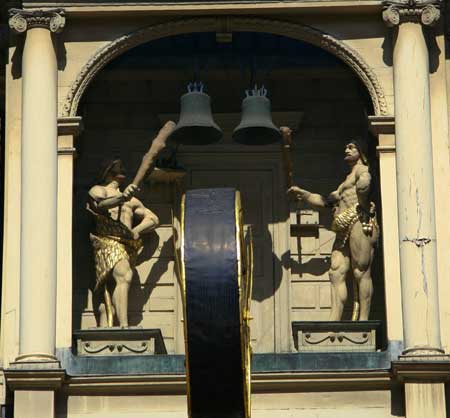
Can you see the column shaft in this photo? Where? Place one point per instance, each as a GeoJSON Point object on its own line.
{"type": "Point", "coordinates": [39, 195]}
{"type": "Point", "coordinates": [415, 189]}
{"type": "Point", "coordinates": [425, 400]}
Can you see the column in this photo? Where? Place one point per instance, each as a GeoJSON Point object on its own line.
{"type": "Point", "coordinates": [34, 390]}
{"type": "Point", "coordinates": [415, 185]}
{"type": "Point", "coordinates": [423, 367]}
{"type": "Point", "coordinates": [38, 182]}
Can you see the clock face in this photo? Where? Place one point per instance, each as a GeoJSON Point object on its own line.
{"type": "Point", "coordinates": [216, 261]}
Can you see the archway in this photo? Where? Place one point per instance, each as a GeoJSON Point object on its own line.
{"type": "Point", "coordinates": [135, 92]}
{"type": "Point", "coordinates": [296, 31]}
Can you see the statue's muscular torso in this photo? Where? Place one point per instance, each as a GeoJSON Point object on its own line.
{"type": "Point", "coordinates": [126, 210]}
{"type": "Point", "coordinates": [347, 194]}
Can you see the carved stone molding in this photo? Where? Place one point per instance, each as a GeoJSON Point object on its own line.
{"type": "Point", "coordinates": [70, 125]}
{"type": "Point", "coordinates": [119, 341]}
{"type": "Point", "coordinates": [209, 24]}
{"type": "Point", "coordinates": [382, 125]}
{"type": "Point", "coordinates": [34, 379]}
{"type": "Point", "coordinates": [22, 20]}
{"type": "Point", "coordinates": [426, 369]}
{"type": "Point", "coordinates": [335, 336]}
{"type": "Point", "coordinates": [426, 12]}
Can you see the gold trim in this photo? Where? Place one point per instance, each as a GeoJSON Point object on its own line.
{"type": "Point", "coordinates": [183, 298]}
{"type": "Point", "coordinates": [248, 318]}
{"type": "Point", "coordinates": [245, 278]}
{"type": "Point", "coordinates": [244, 258]}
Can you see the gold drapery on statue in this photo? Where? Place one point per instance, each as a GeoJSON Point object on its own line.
{"type": "Point", "coordinates": [343, 222]}
{"type": "Point", "coordinates": [112, 242]}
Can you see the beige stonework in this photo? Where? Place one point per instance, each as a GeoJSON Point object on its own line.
{"type": "Point", "coordinates": [374, 404]}
{"type": "Point", "coordinates": [425, 400]}
{"type": "Point", "coordinates": [353, 31]}
{"type": "Point", "coordinates": [39, 404]}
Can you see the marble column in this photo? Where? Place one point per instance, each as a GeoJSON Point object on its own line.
{"type": "Point", "coordinates": [415, 183]}
{"type": "Point", "coordinates": [38, 183]}
{"type": "Point", "coordinates": [416, 368]}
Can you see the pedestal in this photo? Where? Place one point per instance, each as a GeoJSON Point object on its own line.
{"type": "Point", "coordinates": [119, 342]}
{"type": "Point", "coordinates": [336, 336]}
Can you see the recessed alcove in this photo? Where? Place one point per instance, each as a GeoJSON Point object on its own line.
{"type": "Point", "coordinates": [312, 91]}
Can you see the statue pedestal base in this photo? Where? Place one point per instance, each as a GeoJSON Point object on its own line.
{"type": "Point", "coordinates": [332, 336]}
{"type": "Point", "coordinates": [118, 341]}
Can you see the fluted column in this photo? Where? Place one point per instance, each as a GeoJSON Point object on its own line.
{"type": "Point", "coordinates": [38, 182]}
{"type": "Point", "coordinates": [415, 184]}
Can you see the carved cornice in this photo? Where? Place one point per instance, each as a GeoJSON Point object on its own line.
{"type": "Point", "coordinates": [51, 379]}
{"type": "Point", "coordinates": [70, 125]}
{"type": "Point", "coordinates": [433, 369]}
{"type": "Point", "coordinates": [426, 12]}
{"type": "Point", "coordinates": [295, 31]}
{"type": "Point", "coordinates": [22, 20]}
{"type": "Point", "coordinates": [261, 382]}
{"type": "Point", "coordinates": [382, 125]}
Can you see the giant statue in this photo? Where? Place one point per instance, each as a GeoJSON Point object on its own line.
{"type": "Point", "coordinates": [356, 228]}
{"type": "Point", "coordinates": [120, 220]}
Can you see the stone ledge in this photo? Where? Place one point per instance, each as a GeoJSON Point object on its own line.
{"type": "Point", "coordinates": [382, 124]}
{"type": "Point", "coordinates": [70, 125]}
{"type": "Point", "coordinates": [173, 364]}
{"type": "Point", "coordinates": [187, 7]}
{"type": "Point", "coordinates": [34, 379]}
{"type": "Point", "coordinates": [411, 371]}
{"type": "Point", "coordinates": [261, 382]}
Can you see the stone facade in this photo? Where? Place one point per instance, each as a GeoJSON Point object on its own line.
{"type": "Point", "coordinates": [78, 83]}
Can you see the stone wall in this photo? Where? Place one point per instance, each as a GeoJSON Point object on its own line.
{"type": "Point", "coordinates": [328, 404]}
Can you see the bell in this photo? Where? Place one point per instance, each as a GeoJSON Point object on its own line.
{"type": "Point", "coordinates": [256, 127]}
{"type": "Point", "coordinates": [196, 125]}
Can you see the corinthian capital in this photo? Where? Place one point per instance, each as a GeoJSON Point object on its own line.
{"type": "Point", "coordinates": [426, 12]}
{"type": "Point", "coordinates": [22, 20]}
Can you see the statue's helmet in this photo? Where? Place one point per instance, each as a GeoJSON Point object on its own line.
{"type": "Point", "coordinates": [112, 168]}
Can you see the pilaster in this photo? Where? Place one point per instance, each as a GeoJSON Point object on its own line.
{"type": "Point", "coordinates": [383, 128]}
{"type": "Point", "coordinates": [68, 129]}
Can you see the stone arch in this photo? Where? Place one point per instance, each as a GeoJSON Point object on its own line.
{"type": "Point", "coordinates": [209, 24]}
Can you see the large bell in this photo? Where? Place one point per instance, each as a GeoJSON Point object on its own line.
{"type": "Point", "coordinates": [256, 127]}
{"type": "Point", "coordinates": [196, 125]}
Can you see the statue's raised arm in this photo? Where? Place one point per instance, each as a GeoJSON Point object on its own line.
{"type": "Point", "coordinates": [316, 201]}
{"type": "Point", "coordinates": [149, 159]}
